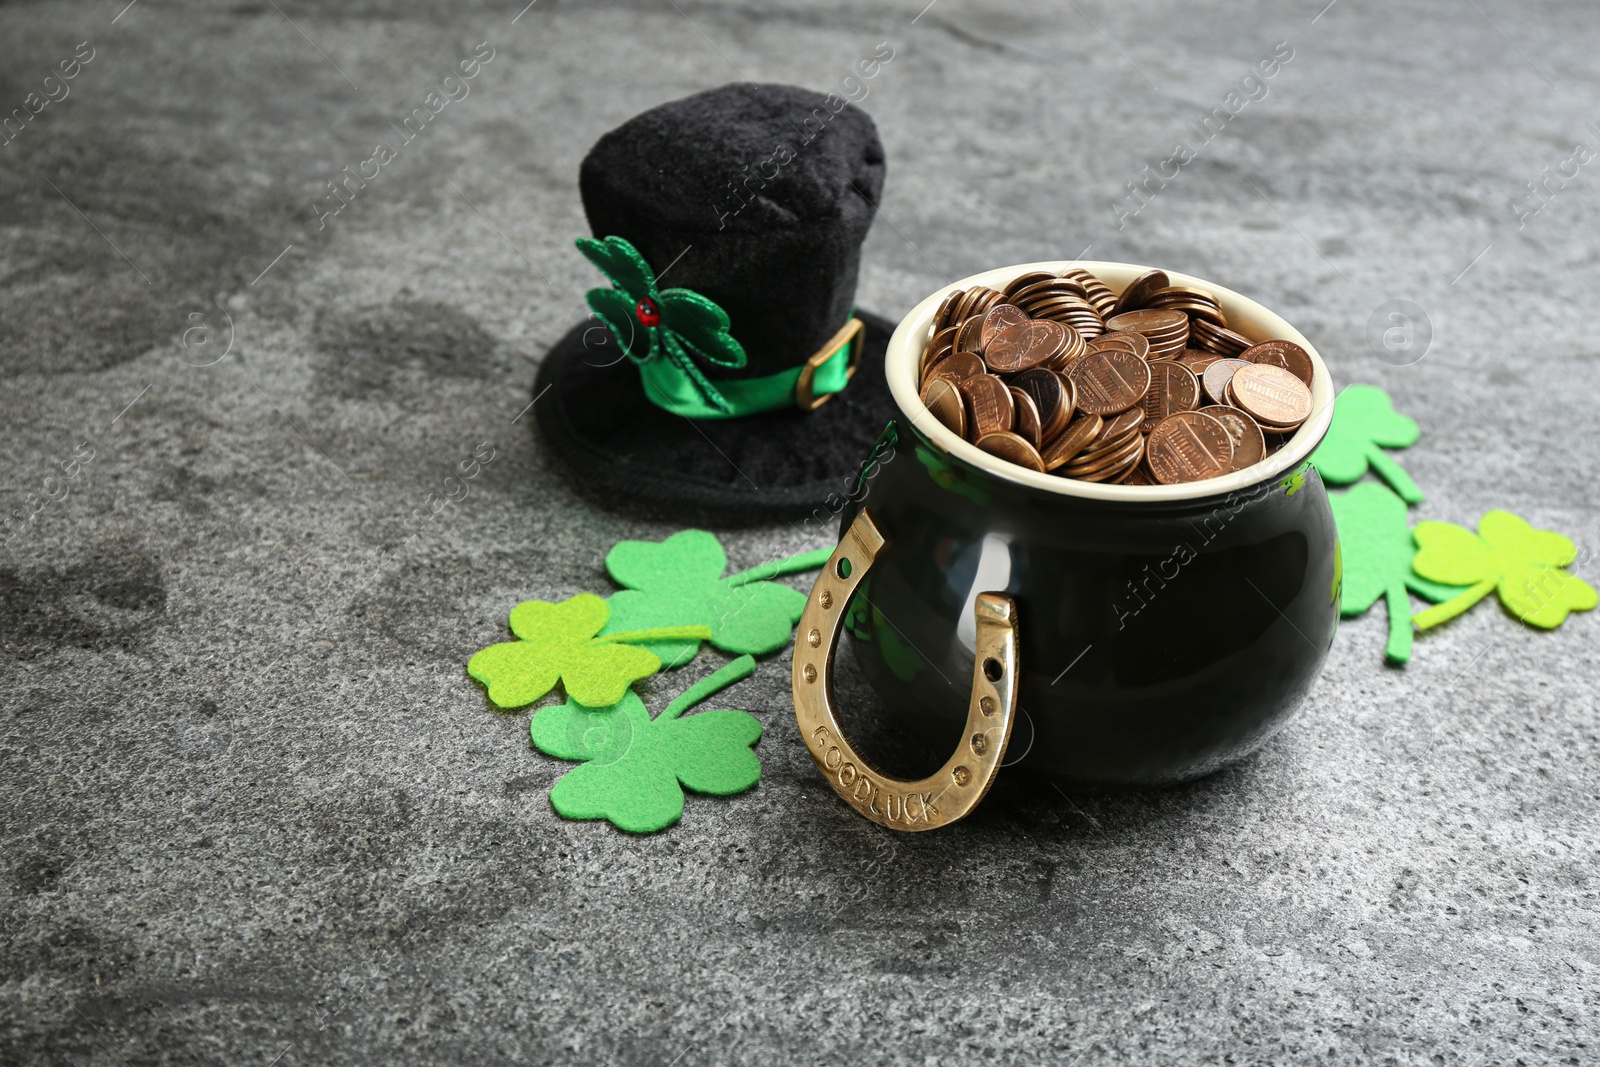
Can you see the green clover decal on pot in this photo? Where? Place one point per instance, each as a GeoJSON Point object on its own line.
{"type": "Point", "coordinates": [679, 583]}
{"type": "Point", "coordinates": [1293, 483]}
{"type": "Point", "coordinates": [677, 326]}
{"type": "Point", "coordinates": [1376, 547]}
{"type": "Point", "coordinates": [635, 769]}
{"type": "Point", "coordinates": [558, 642]}
{"type": "Point", "coordinates": [1364, 424]}
{"type": "Point", "coordinates": [1525, 564]}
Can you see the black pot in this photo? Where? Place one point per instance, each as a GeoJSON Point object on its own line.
{"type": "Point", "coordinates": [1161, 631]}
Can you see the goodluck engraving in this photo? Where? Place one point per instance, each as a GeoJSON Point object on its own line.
{"type": "Point", "coordinates": [869, 790]}
{"type": "Point", "coordinates": [893, 802]}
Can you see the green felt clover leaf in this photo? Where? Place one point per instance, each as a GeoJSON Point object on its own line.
{"type": "Point", "coordinates": [1527, 566]}
{"type": "Point", "coordinates": [1364, 424]}
{"type": "Point", "coordinates": [622, 264]}
{"type": "Point", "coordinates": [1376, 549]}
{"type": "Point", "coordinates": [675, 324]}
{"type": "Point", "coordinates": [678, 582]}
{"type": "Point", "coordinates": [635, 769]}
{"type": "Point", "coordinates": [558, 642]}
{"type": "Point", "coordinates": [619, 312]}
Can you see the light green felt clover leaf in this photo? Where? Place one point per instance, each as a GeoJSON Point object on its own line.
{"type": "Point", "coordinates": [678, 582]}
{"type": "Point", "coordinates": [1364, 424]}
{"type": "Point", "coordinates": [1376, 548]}
{"type": "Point", "coordinates": [1525, 564]}
{"type": "Point", "coordinates": [679, 325]}
{"type": "Point", "coordinates": [558, 642]}
{"type": "Point", "coordinates": [636, 768]}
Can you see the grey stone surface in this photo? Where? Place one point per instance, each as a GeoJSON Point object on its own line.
{"type": "Point", "coordinates": [254, 812]}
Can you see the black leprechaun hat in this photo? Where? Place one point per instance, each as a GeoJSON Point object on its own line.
{"type": "Point", "coordinates": [725, 375]}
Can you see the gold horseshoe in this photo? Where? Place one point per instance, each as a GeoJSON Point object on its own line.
{"type": "Point", "coordinates": [954, 789]}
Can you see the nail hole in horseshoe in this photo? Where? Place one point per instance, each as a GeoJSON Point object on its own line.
{"type": "Point", "coordinates": [842, 568]}
{"type": "Point", "coordinates": [992, 670]}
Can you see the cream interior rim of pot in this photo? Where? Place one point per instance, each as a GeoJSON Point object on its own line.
{"type": "Point", "coordinates": [1244, 315]}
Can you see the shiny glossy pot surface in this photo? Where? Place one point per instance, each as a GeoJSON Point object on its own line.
{"type": "Point", "coordinates": [1164, 631]}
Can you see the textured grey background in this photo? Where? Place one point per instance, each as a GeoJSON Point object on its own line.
{"type": "Point", "coordinates": [254, 812]}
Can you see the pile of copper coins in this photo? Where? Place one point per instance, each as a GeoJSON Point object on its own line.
{"type": "Point", "coordinates": [1061, 373]}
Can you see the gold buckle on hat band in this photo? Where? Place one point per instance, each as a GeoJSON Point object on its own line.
{"type": "Point", "coordinates": [853, 333]}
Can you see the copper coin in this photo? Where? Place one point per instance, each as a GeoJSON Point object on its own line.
{"type": "Point", "coordinates": [1107, 458]}
{"type": "Point", "coordinates": [945, 316]}
{"type": "Point", "coordinates": [1053, 291]}
{"type": "Point", "coordinates": [1109, 381]}
{"type": "Point", "coordinates": [1249, 447]}
{"type": "Point", "coordinates": [1212, 314]}
{"type": "Point", "coordinates": [1191, 301]}
{"type": "Point", "coordinates": [1100, 294]}
{"type": "Point", "coordinates": [1025, 281]}
{"type": "Point", "coordinates": [1121, 425]}
{"type": "Point", "coordinates": [1139, 290]}
{"type": "Point", "coordinates": [984, 298]}
{"type": "Point", "coordinates": [945, 338]}
{"type": "Point", "coordinates": [1138, 474]}
{"type": "Point", "coordinates": [1216, 378]}
{"type": "Point", "coordinates": [1173, 388]}
{"type": "Point", "coordinates": [1116, 432]}
{"type": "Point", "coordinates": [958, 367]}
{"type": "Point", "coordinates": [999, 317]}
{"type": "Point", "coordinates": [1010, 447]}
{"type": "Point", "coordinates": [1188, 447]}
{"type": "Point", "coordinates": [1131, 448]}
{"type": "Point", "coordinates": [1153, 320]}
{"type": "Point", "coordinates": [1052, 398]}
{"type": "Point", "coordinates": [989, 407]}
{"type": "Point", "coordinates": [939, 346]}
{"type": "Point", "coordinates": [1167, 349]}
{"type": "Point", "coordinates": [1120, 472]}
{"type": "Point", "coordinates": [969, 337]}
{"type": "Point", "coordinates": [1217, 339]}
{"type": "Point", "coordinates": [1112, 439]}
{"type": "Point", "coordinates": [1271, 395]}
{"type": "Point", "coordinates": [1025, 421]}
{"type": "Point", "coordinates": [1197, 360]}
{"type": "Point", "coordinates": [1137, 343]}
{"type": "Point", "coordinates": [930, 363]}
{"type": "Point", "coordinates": [944, 403]}
{"type": "Point", "coordinates": [1074, 313]}
{"type": "Point", "coordinates": [1286, 354]}
{"type": "Point", "coordinates": [1191, 292]}
{"type": "Point", "coordinates": [1024, 346]}
{"type": "Point", "coordinates": [1060, 294]}
{"type": "Point", "coordinates": [1074, 350]}
{"type": "Point", "coordinates": [1071, 441]}
{"type": "Point", "coordinates": [1101, 458]}
{"type": "Point", "coordinates": [962, 311]}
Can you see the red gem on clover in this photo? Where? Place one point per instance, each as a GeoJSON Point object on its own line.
{"type": "Point", "coordinates": [647, 313]}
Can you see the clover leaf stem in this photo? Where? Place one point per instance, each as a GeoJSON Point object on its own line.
{"type": "Point", "coordinates": [1451, 608]}
{"type": "Point", "coordinates": [1399, 604]}
{"type": "Point", "coordinates": [660, 633]}
{"type": "Point", "coordinates": [805, 561]}
{"type": "Point", "coordinates": [1391, 472]}
{"type": "Point", "coordinates": [731, 672]}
